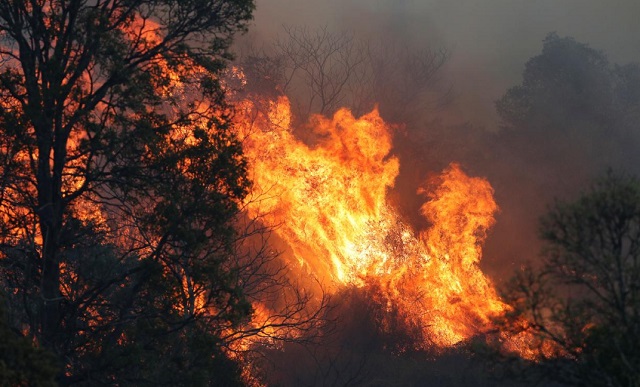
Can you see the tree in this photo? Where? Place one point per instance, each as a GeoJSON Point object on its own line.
{"type": "Point", "coordinates": [120, 181]}
{"type": "Point", "coordinates": [580, 309]}
{"type": "Point", "coordinates": [22, 364]}
{"type": "Point", "coordinates": [572, 93]}
{"type": "Point", "coordinates": [565, 81]}
{"type": "Point", "coordinates": [321, 71]}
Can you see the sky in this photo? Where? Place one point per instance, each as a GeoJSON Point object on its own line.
{"type": "Point", "coordinates": [489, 40]}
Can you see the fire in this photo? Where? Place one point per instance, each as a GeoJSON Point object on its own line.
{"type": "Point", "coordinates": [328, 203]}
{"type": "Point", "coordinates": [300, 185]}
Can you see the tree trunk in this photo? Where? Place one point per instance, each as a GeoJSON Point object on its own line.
{"type": "Point", "coordinates": [50, 220]}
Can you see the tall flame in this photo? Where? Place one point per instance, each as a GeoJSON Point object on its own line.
{"type": "Point", "coordinates": [328, 203]}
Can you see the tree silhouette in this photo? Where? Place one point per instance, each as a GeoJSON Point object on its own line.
{"type": "Point", "coordinates": [120, 181]}
{"type": "Point", "coordinates": [581, 306]}
{"type": "Point", "coordinates": [321, 71]}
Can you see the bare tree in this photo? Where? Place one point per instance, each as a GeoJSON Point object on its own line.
{"type": "Point", "coordinates": [322, 62]}
{"type": "Point", "coordinates": [321, 71]}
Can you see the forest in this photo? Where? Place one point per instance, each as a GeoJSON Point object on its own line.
{"type": "Point", "coordinates": [184, 201]}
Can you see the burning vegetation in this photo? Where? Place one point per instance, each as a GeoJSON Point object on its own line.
{"type": "Point", "coordinates": [328, 202]}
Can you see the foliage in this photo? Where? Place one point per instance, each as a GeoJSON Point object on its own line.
{"type": "Point", "coordinates": [120, 182]}
{"type": "Point", "coordinates": [566, 71]}
{"type": "Point", "coordinates": [581, 308]}
{"type": "Point", "coordinates": [572, 93]}
{"type": "Point", "coordinates": [22, 364]}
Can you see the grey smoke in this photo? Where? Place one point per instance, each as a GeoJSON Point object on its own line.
{"type": "Point", "coordinates": [490, 40]}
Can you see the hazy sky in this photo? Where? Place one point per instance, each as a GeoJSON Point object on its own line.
{"type": "Point", "coordinates": [489, 40]}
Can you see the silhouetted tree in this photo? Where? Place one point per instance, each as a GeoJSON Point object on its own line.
{"type": "Point", "coordinates": [22, 364]}
{"type": "Point", "coordinates": [573, 113]}
{"type": "Point", "coordinates": [120, 180]}
{"type": "Point", "coordinates": [321, 71]}
{"type": "Point", "coordinates": [580, 308]}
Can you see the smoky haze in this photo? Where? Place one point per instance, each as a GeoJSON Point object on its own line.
{"type": "Point", "coordinates": [489, 40]}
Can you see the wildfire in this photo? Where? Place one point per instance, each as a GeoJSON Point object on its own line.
{"type": "Point", "coordinates": [328, 203]}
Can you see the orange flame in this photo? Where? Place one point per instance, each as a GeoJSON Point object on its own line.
{"type": "Point", "coordinates": [328, 203]}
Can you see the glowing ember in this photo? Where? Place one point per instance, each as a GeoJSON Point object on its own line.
{"type": "Point", "coordinates": [328, 203]}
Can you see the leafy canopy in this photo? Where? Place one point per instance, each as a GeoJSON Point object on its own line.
{"type": "Point", "coordinates": [119, 182]}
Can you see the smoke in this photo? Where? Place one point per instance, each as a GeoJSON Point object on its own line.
{"type": "Point", "coordinates": [490, 40]}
